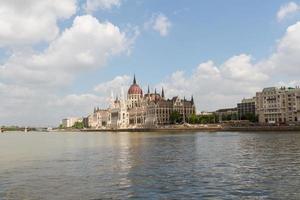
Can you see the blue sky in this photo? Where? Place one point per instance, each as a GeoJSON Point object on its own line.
{"type": "Point", "coordinates": [63, 57]}
{"type": "Point", "coordinates": [201, 31]}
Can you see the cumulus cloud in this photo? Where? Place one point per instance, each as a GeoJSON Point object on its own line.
{"type": "Point", "coordinates": [31, 81]}
{"type": "Point", "coordinates": [86, 44]}
{"type": "Point", "coordinates": [285, 60]}
{"type": "Point", "coordinates": [114, 85]}
{"type": "Point", "coordinates": [159, 23]}
{"type": "Point", "coordinates": [217, 86]}
{"type": "Point", "coordinates": [286, 10]}
{"type": "Point", "coordinates": [240, 68]}
{"type": "Point", "coordinates": [25, 106]}
{"type": "Point", "coordinates": [31, 21]}
{"type": "Point", "coordinates": [93, 5]}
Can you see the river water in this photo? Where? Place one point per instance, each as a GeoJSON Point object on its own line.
{"type": "Point", "coordinates": [150, 165]}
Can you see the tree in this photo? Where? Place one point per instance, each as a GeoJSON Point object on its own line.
{"type": "Point", "coordinates": [250, 117]}
{"type": "Point", "coordinates": [78, 125]}
{"type": "Point", "coordinates": [193, 119]}
{"type": "Point", "coordinates": [175, 117]}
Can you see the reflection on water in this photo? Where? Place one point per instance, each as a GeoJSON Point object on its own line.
{"type": "Point", "coordinates": [157, 165]}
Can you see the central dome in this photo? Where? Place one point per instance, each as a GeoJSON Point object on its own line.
{"type": "Point", "coordinates": [135, 88]}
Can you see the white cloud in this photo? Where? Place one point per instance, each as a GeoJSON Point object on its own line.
{"type": "Point", "coordinates": [285, 60]}
{"type": "Point", "coordinates": [159, 23]}
{"type": "Point", "coordinates": [286, 10]}
{"type": "Point", "coordinates": [240, 68]}
{"type": "Point", "coordinates": [86, 44]}
{"type": "Point", "coordinates": [238, 77]}
{"type": "Point", "coordinates": [114, 85]}
{"type": "Point", "coordinates": [217, 86]}
{"type": "Point", "coordinates": [31, 21]}
{"type": "Point", "coordinates": [31, 81]}
{"type": "Point", "coordinates": [94, 5]}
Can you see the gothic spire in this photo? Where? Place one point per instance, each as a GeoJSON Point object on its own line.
{"type": "Point", "coordinates": [134, 81]}
{"type": "Point", "coordinates": [148, 90]}
{"type": "Point", "coordinates": [162, 92]}
{"type": "Point", "coordinates": [192, 100]}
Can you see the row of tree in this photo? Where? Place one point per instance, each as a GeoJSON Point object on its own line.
{"type": "Point", "coordinates": [176, 118]}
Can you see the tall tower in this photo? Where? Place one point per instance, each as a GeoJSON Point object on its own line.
{"type": "Point", "coordinates": [162, 93]}
{"type": "Point", "coordinates": [134, 95]}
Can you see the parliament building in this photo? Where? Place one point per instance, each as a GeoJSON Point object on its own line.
{"type": "Point", "coordinates": [139, 110]}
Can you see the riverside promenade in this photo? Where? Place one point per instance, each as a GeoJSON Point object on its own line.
{"type": "Point", "coordinates": [205, 128]}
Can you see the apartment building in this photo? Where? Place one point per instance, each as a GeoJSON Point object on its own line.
{"type": "Point", "coordinates": [278, 105]}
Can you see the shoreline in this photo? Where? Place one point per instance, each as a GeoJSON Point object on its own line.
{"type": "Point", "coordinates": [208, 128]}
{"type": "Point", "coordinates": [205, 129]}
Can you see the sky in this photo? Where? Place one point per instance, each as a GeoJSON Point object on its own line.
{"type": "Point", "coordinates": [62, 58]}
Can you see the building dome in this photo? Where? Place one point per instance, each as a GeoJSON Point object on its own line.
{"type": "Point", "coordinates": [135, 88]}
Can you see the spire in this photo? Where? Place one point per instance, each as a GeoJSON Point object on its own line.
{"type": "Point", "coordinates": [117, 98]}
{"type": "Point", "coordinates": [134, 81]}
{"type": "Point", "coordinates": [155, 95]}
{"type": "Point", "coordinates": [162, 92]}
{"type": "Point", "coordinates": [148, 90]}
{"type": "Point", "coordinates": [192, 100]}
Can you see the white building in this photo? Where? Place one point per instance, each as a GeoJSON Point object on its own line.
{"type": "Point", "coordinates": [278, 105]}
{"type": "Point", "coordinates": [138, 110]}
{"type": "Point", "coordinates": [98, 119]}
{"type": "Point", "coordinates": [70, 121]}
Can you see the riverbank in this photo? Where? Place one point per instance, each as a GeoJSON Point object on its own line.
{"type": "Point", "coordinates": [180, 128]}
{"type": "Point", "coordinates": [207, 128]}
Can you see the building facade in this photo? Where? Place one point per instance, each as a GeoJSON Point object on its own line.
{"type": "Point", "coordinates": [69, 122]}
{"type": "Point", "coordinates": [226, 114]}
{"type": "Point", "coordinates": [278, 105]}
{"type": "Point", "coordinates": [98, 119]}
{"type": "Point", "coordinates": [138, 110]}
{"type": "Point", "coordinates": [246, 107]}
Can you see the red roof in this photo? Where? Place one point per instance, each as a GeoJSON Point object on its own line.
{"type": "Point", "coordinates": [135, 89]}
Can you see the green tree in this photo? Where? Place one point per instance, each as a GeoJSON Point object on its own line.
{"type": "Point", "coordinates": [250, 117]}
{"type": "Point", "coordinates": [193, 119]}
{"type": "Point", "coordinates": [175, 117]}
{"type": "Point", "coordinates": [78, 125]}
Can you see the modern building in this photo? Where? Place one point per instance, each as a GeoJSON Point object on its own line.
{"type": "Point", "coordinates": [69, 122]}
{"type": "Point", "coordinates": [226, 114]}
{"type": "Point", "coordinates": [246, 107]}
{"type": "Point", "coordinates": [278, 105]}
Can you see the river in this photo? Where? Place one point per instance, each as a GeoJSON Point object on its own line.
{"type": "Point", "coordinates": [222, 165]}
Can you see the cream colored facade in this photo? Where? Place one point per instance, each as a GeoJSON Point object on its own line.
{"type": "Point", "coordinates": [69, 122]}
{"type": "Point", "coordinates": [137, 110]}
{"type": "Point", "coordinates": [278, 105]}
{"type": "Point", "coordinates": [98, 119]}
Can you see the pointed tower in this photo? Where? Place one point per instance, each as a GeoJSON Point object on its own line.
{"type": "Point", "coordinates": [134, 81]}
{"type": "Point", "coordinates": [162, 93]}
{"type": "Point", "coordinates": [148, 90]}
{"type": "Point", "coordinates": [192, 100]}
